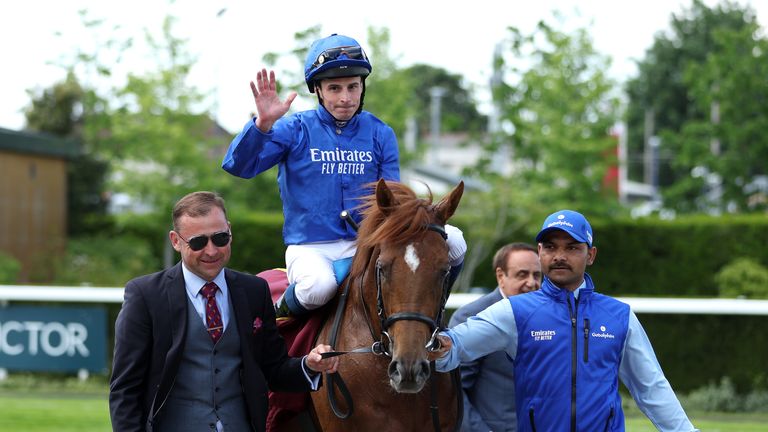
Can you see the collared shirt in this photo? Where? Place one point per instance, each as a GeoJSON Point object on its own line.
{"type": "Point", "coordinates": [495, 329]}
{"type": "Point", "coordinates": [194, 283]}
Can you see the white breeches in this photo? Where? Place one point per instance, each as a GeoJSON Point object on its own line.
{"type": "Point", "coordinates": [310, 267]}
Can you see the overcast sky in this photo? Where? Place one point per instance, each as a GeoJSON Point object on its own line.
{"type": "Point", "coordinates": [229, 37]}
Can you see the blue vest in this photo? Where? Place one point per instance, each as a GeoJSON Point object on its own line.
{"type": "Point", "coordinates": [207, 386]}
{"type": "Point", "coordinates": [568, 355]}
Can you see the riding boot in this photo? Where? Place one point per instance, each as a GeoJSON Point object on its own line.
{"type": "Point", "coordinates": [281, 308]}
{"type": "Point", "coordinates": [288, 305]}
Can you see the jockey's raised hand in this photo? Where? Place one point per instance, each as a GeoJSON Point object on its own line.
{"type": "Point", "coordinates": [269, 107]}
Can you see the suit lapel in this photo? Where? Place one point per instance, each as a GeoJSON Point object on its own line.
{"type": "Point", "coordinates": [240, 306]}
{"type": "Point", "coordinates": [176, 292]}
{"type": "Point", "coordinates": [173, 288]}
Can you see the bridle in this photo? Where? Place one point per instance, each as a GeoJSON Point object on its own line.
{"type": "Point", "coordinates": [386, 321]}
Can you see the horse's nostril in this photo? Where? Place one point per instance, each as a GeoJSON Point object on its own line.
{"type": "Point", "coordinates": [394, 370]}
{"type": "Point", "coordinates": [425, 371]}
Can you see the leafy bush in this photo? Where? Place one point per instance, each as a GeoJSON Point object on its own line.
{"type": "Point", "coordinates": [757, 401]}
{"type": "Point", "coordinates": [723, 397]}
{"type": "Point", "coordinates": [715, 397]}
{"type": "Point", "coordinates": [9, 269]}
{"type": "Point", "coordinates": [104, 261]}
{"type": "Point", "coordinates": [743, 277]}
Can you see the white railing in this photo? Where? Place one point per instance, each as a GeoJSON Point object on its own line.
{"type": "Point", "coordinates": [708, 306]}
{"type": "Point", "coordinates": [60, 294]}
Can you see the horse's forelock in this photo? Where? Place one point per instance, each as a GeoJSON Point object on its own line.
{"type": "Point", "coordinates": [394, 225]}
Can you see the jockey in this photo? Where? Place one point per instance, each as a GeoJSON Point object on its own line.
{"type": "Point", "coordinates": [325, 158]}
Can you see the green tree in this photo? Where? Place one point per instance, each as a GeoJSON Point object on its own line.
{"type": "Point", "coordinates": [556, 108]}
{"type": "Point", "coordinates": [744, 277]}
{"type": "Point", "coordinates": [58, 110]}
{"type": "Point", "coordinates": [401, 95]}
{"type": "Point", "coordinates": [388, 94]}
{"type": "Point", "coordinates": [458, 109]}
{"type": "Point", "coordinates": [155, 130]}
{"type": "Point", "coordinates": [700, 89]}
{"type": "Point", "coordinates": [731, 144]}
{"type": "Point", "coordinates": [158, 139]}
{"type": "Point", "coordinates": [557, 112]}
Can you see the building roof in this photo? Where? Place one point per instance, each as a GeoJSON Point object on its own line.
{"type": "Point", "coordinates": [37, 143]}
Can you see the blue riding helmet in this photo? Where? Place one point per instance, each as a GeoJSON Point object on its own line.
{"type": "Point", "coordinates": [335, 56]}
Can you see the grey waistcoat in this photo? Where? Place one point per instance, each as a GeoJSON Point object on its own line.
{"type": "Point", "coordinates": [207, 386]}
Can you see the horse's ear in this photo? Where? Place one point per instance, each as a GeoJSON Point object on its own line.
{"type": "Point", "coordinates": [385, 199]}
{"type": "Point", "coordinates": [447, 206]}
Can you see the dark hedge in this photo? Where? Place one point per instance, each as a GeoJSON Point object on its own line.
{"type": "Point", "coordinates": [646, 257]}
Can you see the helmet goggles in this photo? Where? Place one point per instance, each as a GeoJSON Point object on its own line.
{"type": "Point", "coordinates": [348, 52]}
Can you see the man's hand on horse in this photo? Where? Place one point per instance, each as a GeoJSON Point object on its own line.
{"type": "Point", "coordinates": [269, 107]}
{"type": "Point", "coordinates": [316, 362]}
{"type": "Point", "coordinates": [445, 346]}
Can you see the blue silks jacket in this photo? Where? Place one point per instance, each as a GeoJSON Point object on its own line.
{"type": "Point", "coordinates": [322, 168]}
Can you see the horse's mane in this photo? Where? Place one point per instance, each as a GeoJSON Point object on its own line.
{"type": "Point", "coordinates": [408, 217]}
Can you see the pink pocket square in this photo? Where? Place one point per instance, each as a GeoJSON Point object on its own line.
{"type": "Point", "coordinates": [256, 325]}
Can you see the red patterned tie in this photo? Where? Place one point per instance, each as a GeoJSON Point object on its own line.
{"type": "Point", "coordinates": [212, 315]}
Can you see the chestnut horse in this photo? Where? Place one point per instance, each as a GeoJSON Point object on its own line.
{"type": "Point", "coordinates": [386, 317]}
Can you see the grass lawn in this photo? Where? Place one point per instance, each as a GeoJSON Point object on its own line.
{"type": "Point", "coordinates": [50, 413]}
{"type": "Point", "coordinates": [70, 413]}
{"type": "Point", "coordinates": [708, 422]}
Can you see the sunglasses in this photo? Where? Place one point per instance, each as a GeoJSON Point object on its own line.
{"type": "Point", "coordinates": [219, 239]}
{"type": "Point", "coordinates": [351, 52]}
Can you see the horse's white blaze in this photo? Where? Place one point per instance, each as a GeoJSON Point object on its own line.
{"type": "Point", "coordinates": [411, 258]}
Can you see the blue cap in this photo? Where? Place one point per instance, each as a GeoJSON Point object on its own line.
{"type": "Point", "coordinates": [574, 223]}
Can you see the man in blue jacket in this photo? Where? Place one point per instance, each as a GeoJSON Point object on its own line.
{"type": "Point", "coordinates": [489, 396]}
{"type": "Point", "coordinates": [570, 345]}
{"type": "Point", "coordinates": [325, 159]}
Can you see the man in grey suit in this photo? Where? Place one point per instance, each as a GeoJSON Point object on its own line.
{"type": "Point", "coordinates": [488, 383]}
{"type": "Point", "coordinates": [196, 345]}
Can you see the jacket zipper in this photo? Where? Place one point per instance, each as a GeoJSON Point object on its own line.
{"type": "Point", "coordinates": [608, 422]}
{"type": "Point", "coordinates": [586, 340]}
{"type": "Point", "coordinates": [574, 357]}
{"type": "Point", "coordinates": [530, 417]}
